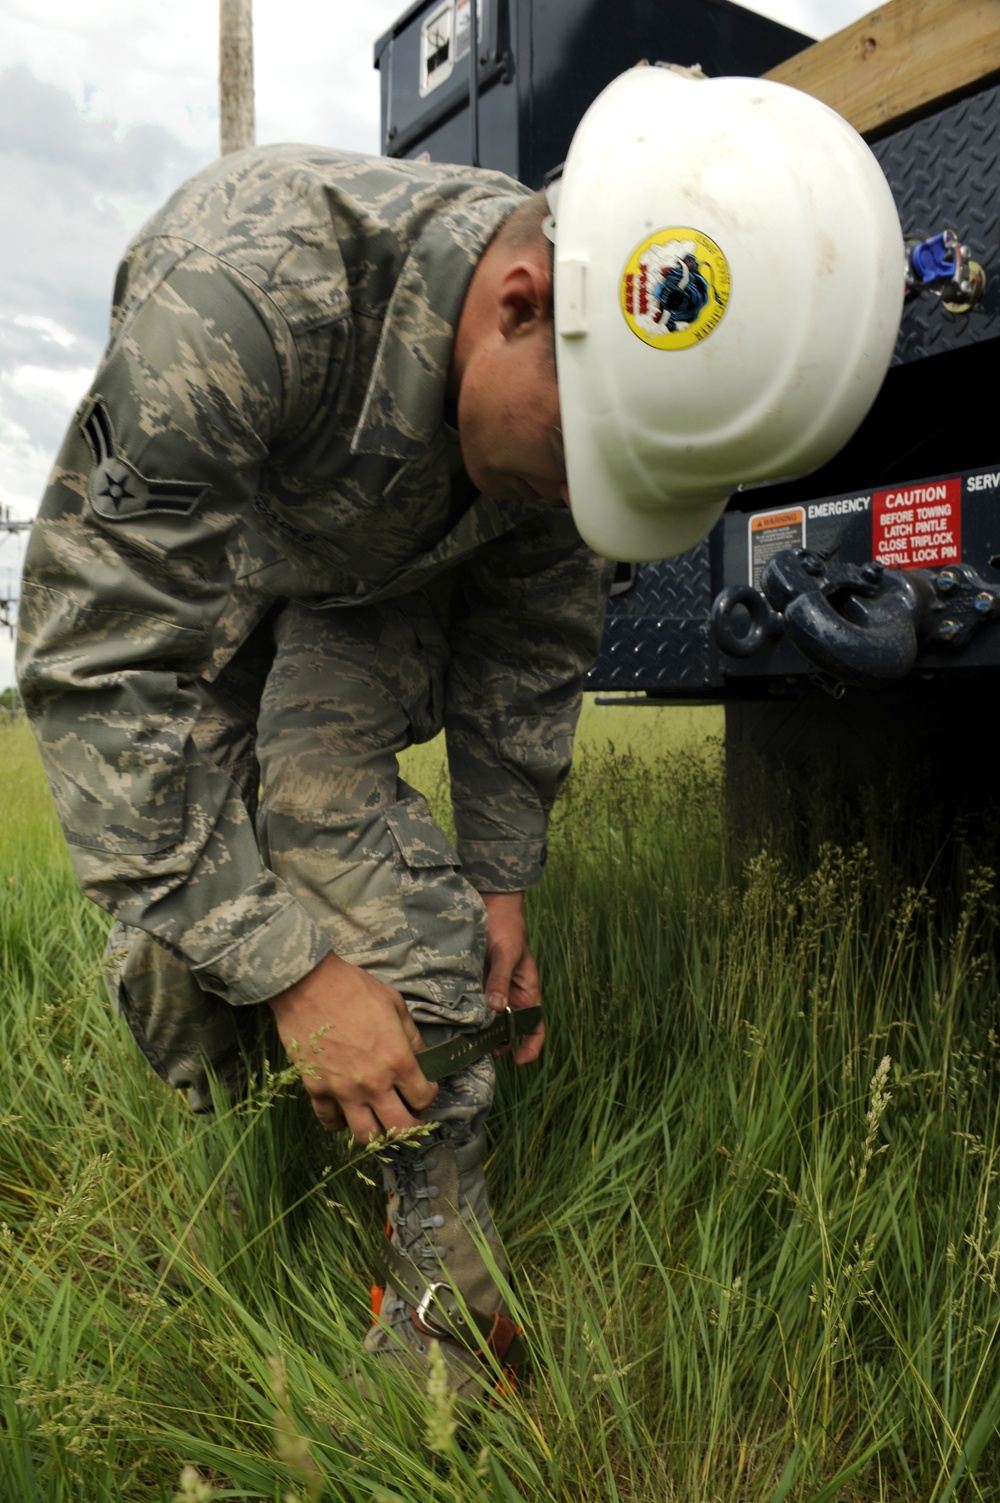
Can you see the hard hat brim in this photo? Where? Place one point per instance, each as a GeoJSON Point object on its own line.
{"type": "Point", "coordinates": [618, 530]}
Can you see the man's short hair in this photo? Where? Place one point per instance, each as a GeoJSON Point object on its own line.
{"type": "Point", "coordinates": [522, 229]}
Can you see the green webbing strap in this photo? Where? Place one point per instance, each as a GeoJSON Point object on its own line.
{"type": "Point", "coordinates": [465, 1048]}
{"type": "Point", "coordinates": [439, 1312]}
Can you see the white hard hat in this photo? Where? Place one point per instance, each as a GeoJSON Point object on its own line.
{"type": "Point", "coordinates": [728, 286]}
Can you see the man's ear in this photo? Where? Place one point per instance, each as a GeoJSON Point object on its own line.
{"type": "Point", "coordinates": [524, 296]}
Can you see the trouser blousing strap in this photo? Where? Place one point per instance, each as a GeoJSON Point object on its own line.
{"type": "Point", "coordinates": [509, 1027]}
{"type": "Point", "coordinates": [439, 1312]}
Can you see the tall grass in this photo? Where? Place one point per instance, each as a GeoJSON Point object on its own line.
{"type": "Point", "coordinates": [750, 1195]}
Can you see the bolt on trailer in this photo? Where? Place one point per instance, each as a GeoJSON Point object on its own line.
{"type": "Point", "coordinates": [850, 615]}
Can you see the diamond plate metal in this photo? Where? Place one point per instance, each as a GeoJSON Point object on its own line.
{"type": "Point", "coordinates": [945, 171]}
{"type": "Point", "coordinates": [682, 587]}
{"type": "Point", "coordinates": [656, 635]}
{"type": "Point", "coordinates": [653, 652]}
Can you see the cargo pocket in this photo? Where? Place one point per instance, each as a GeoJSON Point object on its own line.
{"type": "Point", "coordinates": [412, 664]}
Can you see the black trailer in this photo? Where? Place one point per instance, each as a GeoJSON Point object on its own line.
{"type": "Point", "coordinates": [915, 496]}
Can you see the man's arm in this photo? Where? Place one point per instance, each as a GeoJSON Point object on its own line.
{"type": "Point", "coordinates": [355, 1043]}
{"type": "Point", "coordinates": [535, 603]}
{"type": "Point", "coordinates": [531, 628]}
{"type": "Point", "coordinates": [510, 976]}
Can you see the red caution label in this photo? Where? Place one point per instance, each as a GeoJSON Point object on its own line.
{"type": "Point", "coordinates": [918, 526]}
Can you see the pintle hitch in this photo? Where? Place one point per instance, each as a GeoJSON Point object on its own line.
{"type": "Point", "coordinates": [862, 624]}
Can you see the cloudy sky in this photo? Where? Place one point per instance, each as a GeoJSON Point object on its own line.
{"type": "Point", "coordinates": [104, 107]}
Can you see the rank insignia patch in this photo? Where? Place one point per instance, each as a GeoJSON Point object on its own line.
{"type": "Point", "coordinates": [117, 491]}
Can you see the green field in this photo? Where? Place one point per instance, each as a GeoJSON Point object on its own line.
{"type": "Point", "coordinates": [750, 1194]}
{"type": "Point", "coordinates": [635, 728]}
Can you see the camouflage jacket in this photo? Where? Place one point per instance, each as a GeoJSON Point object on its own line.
{"type": "Point", "coordinates": [268, 422]}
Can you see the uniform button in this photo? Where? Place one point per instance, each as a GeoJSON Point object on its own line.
{"type": "Point", "coordinates": [215, 983]}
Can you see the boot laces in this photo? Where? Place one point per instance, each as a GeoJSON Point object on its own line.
{"type": "Point", "coordinates": [413, 1220]}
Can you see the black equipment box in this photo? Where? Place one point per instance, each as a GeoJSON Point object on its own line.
{"type": "Point", "coordinates": [541, 62]}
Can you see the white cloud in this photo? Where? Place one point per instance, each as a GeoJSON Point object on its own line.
{"type": "Point", "coordinates": [36, 402]}
{"type": "Point", "coordinates": [50, 331]}
{"type": "Point", "coordinates": [42, 383]}
{"type": "Point", "coordinates": [123, 62]}
{"type": "Point", "coordinates": [26, 463]}
{"type": "Point", "coordinates": [817, 18]}
{"type": "Point", "coordinates": [159, 62]}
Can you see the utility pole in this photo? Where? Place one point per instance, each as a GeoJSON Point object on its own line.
{"type": "Point", "coordinates": [236, 103]}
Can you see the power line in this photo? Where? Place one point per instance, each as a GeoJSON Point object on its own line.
{"type": "Point", "coordinates": [10, 523]}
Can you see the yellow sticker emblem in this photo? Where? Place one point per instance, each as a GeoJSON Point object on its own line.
{"type": "Point", "coordinates": [675, 288]}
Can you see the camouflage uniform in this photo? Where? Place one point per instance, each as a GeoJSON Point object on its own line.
{"type": "Point", "coordinates": [259, 549]}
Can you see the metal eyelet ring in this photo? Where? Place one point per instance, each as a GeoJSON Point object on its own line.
{"type": "Point", "coordinates": [424, 1322]}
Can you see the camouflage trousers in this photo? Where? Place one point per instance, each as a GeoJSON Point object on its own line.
{"type": "Point", "coordinates": [308, 721]}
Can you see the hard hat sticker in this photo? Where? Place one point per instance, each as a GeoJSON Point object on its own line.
{"type": "Point", "coordinates": [675, 288]}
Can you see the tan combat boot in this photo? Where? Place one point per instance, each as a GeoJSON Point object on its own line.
{"type": "Point", "coordinates": [437, 1286]}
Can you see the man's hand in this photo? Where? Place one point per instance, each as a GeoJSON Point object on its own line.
{"type": "Point", "coordinates": [356, 1043]}
{"type": "Point", "coordinates": [510, 976]}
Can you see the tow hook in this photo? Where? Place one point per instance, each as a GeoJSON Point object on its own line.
{"type": "Point", "coordinates": [863, 624]}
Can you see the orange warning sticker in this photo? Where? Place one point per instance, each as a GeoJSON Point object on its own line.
{"type": "Point", "coordinates": [770, 532]}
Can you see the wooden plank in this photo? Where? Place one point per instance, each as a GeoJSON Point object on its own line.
{"type": "Point", "coordinates": [900, 61]}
